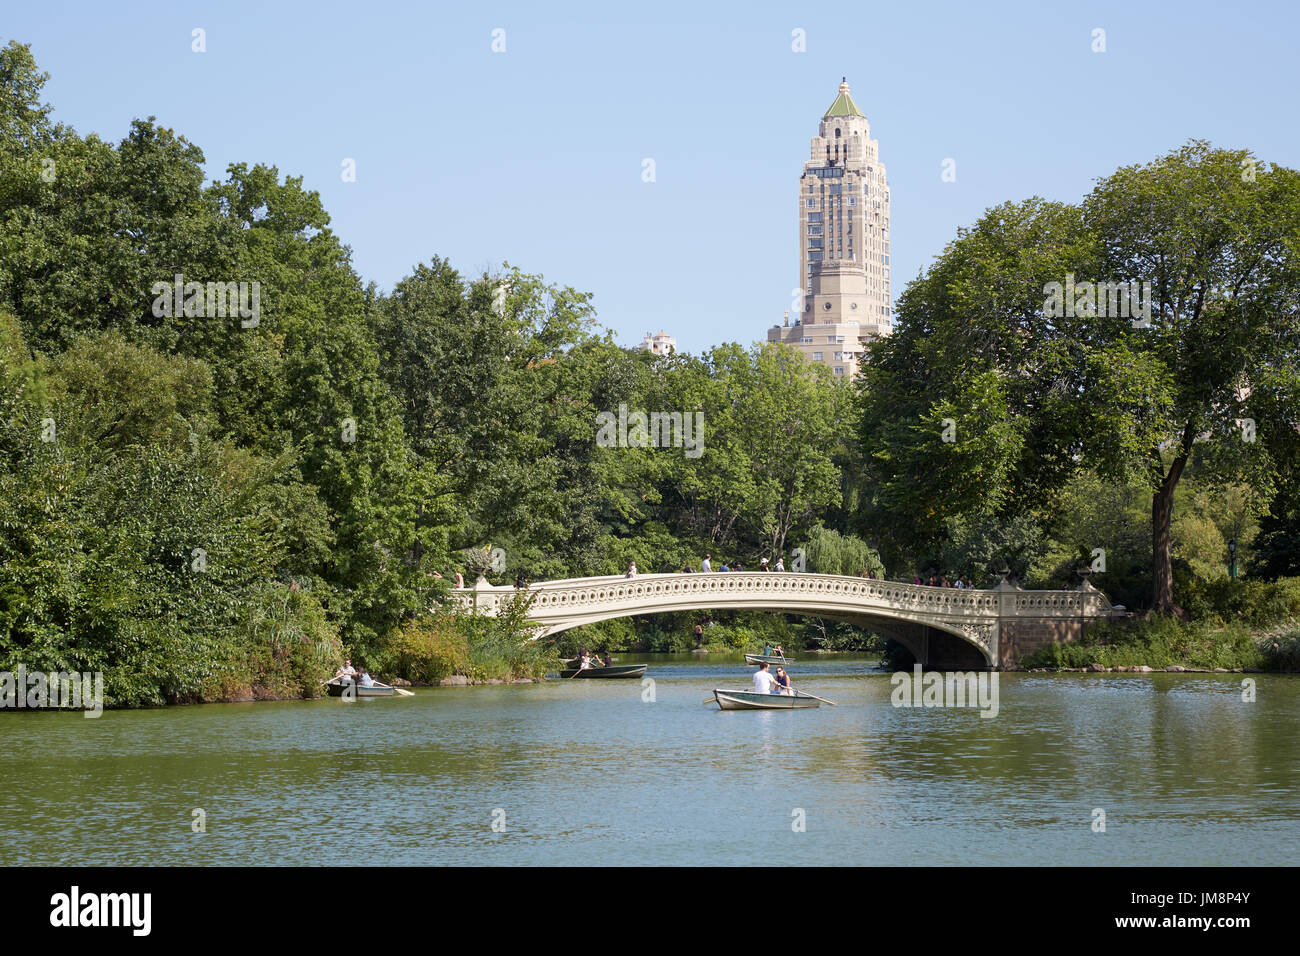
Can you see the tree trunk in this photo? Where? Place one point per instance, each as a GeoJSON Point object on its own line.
{"type": "Point", "coordinates": [1162, 510]}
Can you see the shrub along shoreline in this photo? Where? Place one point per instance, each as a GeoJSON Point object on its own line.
{"type": "Point", "coordinates": [1231, 625]}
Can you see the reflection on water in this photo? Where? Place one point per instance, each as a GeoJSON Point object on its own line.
{"type": "Point", "coordinates": [586, 772]}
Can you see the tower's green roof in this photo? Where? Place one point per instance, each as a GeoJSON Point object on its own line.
{"type": "Point", "coordinates": [844, 105]}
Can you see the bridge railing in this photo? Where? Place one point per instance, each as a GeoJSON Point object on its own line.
{"type": "Point", "coordinates": [552, 598]}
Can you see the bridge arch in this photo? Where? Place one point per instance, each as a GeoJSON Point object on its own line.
{"type": "Point", "coordinates": [910, 614]}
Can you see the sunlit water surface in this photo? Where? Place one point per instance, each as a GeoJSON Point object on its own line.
{"type": "Point", "coordinates": [586, 772]}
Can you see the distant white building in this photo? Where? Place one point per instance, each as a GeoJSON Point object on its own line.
{"type": "Point", "coordinates": [661, 343]}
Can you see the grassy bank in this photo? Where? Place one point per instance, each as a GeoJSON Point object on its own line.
{"type": "Point", "coordinates": [1164, 641]}
{"type": "Point", "coordinates": [1230, 624]}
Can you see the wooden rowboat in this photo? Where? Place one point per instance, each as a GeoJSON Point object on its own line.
{"type": "Point", "coordinates": [750, 700]}
{"type": "Point", "coordinates": [603, 673]}
{"type": "Point", "coordinates": [767, 659]}
{"type": "Point", "coordinates": [338, 687]}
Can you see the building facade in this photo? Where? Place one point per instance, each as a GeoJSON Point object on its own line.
{"type": "Point", "coordinates": [661, 343]}
{"type": "Point", "coordinates": [844, 218]}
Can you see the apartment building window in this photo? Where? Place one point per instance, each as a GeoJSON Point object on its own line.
{"type": "Point", "coordinates": [814, 217]}
{"type": "Point", "coordinates": [815, 243]}
{"type": "Point", "coordinates": [807, 339]}
{"type": "Point", "coordinates": [814, 230]}
{"type": "Point", "coordinates": [817, 356]}
{"type": "Point", "coordinates": [839, 370]}
{"type": "Point", "coordinates": [853, 200]}
{"type": "Point", "coordinates": [810, 203]}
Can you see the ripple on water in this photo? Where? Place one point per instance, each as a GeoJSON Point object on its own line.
{"type": "Point", "coordinates": [1186, 772]}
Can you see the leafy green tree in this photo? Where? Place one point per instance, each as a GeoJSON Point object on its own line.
{"type": "Point", "coordinates": [1028, 393]}
{"type": "Point", "coordinates": [969, 409]}
{"type": "Point", "coordinates": [1217, 240]}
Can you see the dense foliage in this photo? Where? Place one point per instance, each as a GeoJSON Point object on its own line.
{"type": "Point", "coordinates": [225, 460]}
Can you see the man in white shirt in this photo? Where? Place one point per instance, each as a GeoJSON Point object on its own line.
{"type": "Point", "coordinates": [763, 680]}
{"type": "Point", "coordinates": [706, 564]}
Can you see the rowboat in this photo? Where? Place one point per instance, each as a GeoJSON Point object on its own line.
{"type": "Point", "coordinates": [338, 687]}
{"type": "Point", "coordinates": [767, 659]}
{"type": "Point", "coordinates": [750, 700]}
{"type": "Point", "coordinates": [603, 673]}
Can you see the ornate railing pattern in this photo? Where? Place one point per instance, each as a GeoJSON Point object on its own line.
{"type": "Point", "coordinates": [585, 599]}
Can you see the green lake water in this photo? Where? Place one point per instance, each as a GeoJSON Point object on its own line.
{"type": "Point", "coordinates": [591, 773]}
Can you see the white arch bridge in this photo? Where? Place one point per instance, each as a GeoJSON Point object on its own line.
{"type": "Point", "coordinates": [942, 627]}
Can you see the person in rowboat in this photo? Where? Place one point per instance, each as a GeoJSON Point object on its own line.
{"type": "Point", "coordinates": [366, 679]}
{"type": "Point", "coordinates": [763, 680]}
{"type": "Point", "coordinates": [783, 682]}
{"type": "Point", "coordinates": [347, 671]}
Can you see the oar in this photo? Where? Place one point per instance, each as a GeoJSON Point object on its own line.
{"type": "Point", "coordinates": [404, 693]}
{"type": "Point", "coordinates": [709, 700]}
{"type": "Point", "coordinates": [800, 693]}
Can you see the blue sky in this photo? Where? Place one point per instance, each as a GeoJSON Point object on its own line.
{"type": "Point", "coordinates": [534, 156]}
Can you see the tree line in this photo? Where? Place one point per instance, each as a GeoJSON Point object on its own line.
{"type": "Point", "coordinates": [190, 498]}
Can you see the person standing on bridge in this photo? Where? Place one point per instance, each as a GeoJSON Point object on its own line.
{"type": "Point", "coordinates": [780, 563]}
{"type": "Point", "coordinates": [631, 570]}
{"type": "Point", "coordinates": [706, 564]}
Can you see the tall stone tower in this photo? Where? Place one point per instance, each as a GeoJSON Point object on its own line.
{"type": "Point", "coordinates": [843, 243]}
